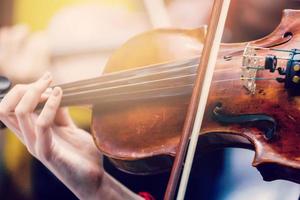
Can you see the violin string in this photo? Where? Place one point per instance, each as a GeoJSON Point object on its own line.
{"type": "Point", "coordinates": [136, 78]}
{"type": "Point", "coordinates": [131, 74]}
{"type": "Point", "coordinates": [98, 96]}
{"type": "Point", "coordinates": [152, 93]}
{"type": "Point", "coordinates": [140, 85]}
{"type": "Point", "coordinates": [263, 57]}
{"type": "Point", "coordinates": [122, 82]}
{"type": "Point", "coordinates": [132, 95]}
{"type": "Point", "coordinates": [169, 80]}
{"type": "Point", "coordinates": [115, 96]}
{"type": "Point", "coordinates": [258, 79]}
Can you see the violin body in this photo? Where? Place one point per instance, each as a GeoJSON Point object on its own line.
{"type": "Point", "coordinates": [141, 136]}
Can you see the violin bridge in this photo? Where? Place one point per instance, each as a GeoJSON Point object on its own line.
{"type": "Point", "coordinates": [250, 66]}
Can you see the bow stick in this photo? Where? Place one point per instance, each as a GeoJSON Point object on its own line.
{"type": "Point", "coordinates": [194, 118]}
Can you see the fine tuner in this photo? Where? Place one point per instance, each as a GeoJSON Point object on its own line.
{"type": "Point", "coordinates": [287, 66]}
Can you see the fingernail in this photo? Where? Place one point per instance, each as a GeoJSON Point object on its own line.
{"type": "Point", "coordinates": [56, 91]}
{"type": "Point", "coordinates": [46, 76]}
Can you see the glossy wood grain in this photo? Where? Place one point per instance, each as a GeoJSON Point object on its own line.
{"type": "Point", "coordinates": [142, 136]}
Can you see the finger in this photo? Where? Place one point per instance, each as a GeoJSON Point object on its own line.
{"type": "Point", "coordinates": [48, 114]}
{"type": "Point", "coordinates": [9, 103]}
{"type": "Point", "coordinates": [26, 106]}
{"type": "Point", "coordinates": [44, 122]}
{"type": "Point", "coordinates": [12, 98]}
{"type": "Point", "coordinates": [33, 96]}
{"type": "Point", "coordinates": [7, 106]}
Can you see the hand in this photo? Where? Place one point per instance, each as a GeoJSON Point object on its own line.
{"type": "Point", "coordinates": [53, 138]}
{"type": "Point", "coordinates": [23, 56]}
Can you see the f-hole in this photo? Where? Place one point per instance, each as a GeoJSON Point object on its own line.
{"type": "Point", "coordinates": [263, 122]}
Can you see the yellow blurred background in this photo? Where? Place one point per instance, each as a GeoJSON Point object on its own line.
{"type": "Point", "coordinates": [37, 13]}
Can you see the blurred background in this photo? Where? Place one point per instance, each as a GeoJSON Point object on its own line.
{"type": "Point", "coordinates": [73, 39]}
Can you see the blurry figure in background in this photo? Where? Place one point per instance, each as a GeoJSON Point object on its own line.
{"type": "Point", "coordinates": [83, 32]}
{"type": "Point", "coordinates": [23, 55]}
{"type": "Point", "coordinates": [80, 38]}
{"type": "Point", "coordinates": [253, 19]}
{"type": "Point", "coordinates": [74, 46]}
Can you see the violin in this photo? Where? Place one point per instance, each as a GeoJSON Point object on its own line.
{"type": "Point", "coordinates": [140, 103]}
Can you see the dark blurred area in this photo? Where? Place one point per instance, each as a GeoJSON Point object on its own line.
{"type": "Point", "coordinates": [6, 11]}
{"type": "Point", "coordinates": [250, 20]}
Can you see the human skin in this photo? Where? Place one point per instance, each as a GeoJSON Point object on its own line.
{"type": "Point", "coordinates": [51, 136]}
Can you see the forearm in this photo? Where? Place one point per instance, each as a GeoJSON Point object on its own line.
{"type": "Point", "coordinates": [105, 187]}
{"type": "Point", "coordinates": [111, 189]}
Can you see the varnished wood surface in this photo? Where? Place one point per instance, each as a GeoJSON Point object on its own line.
{"type": "Point", "coordinates": [137, 130]}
